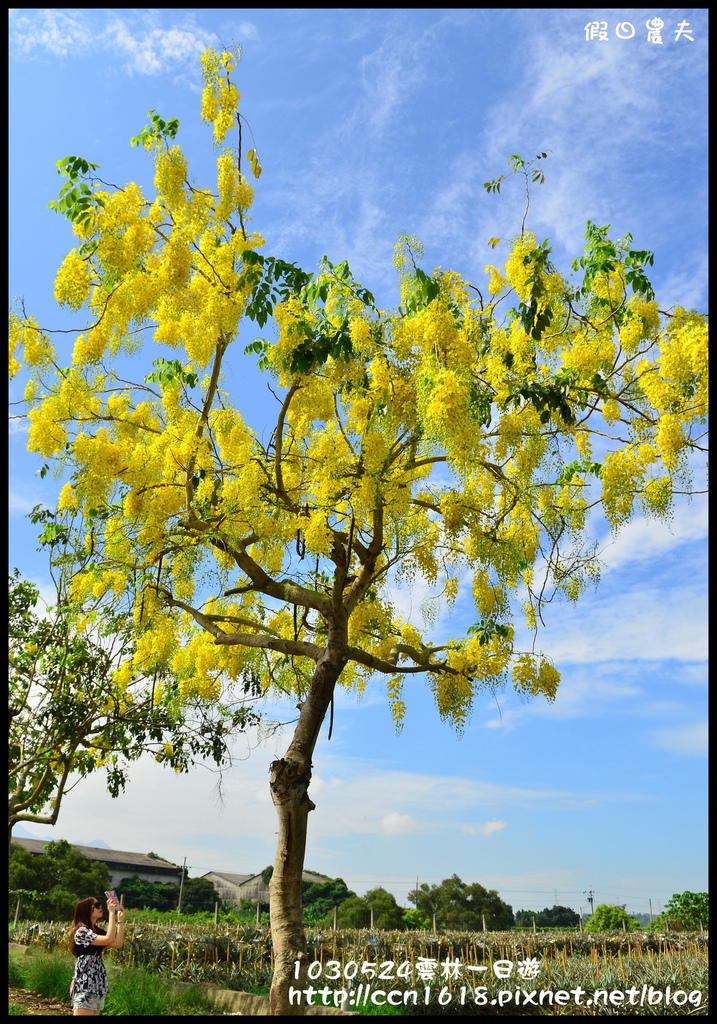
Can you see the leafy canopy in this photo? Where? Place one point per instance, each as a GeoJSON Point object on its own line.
{"type": "Point", "coordinates": [458, 905]}
{"type": "Point", "coordinates": [608, 918]}
{"type": "Point", "coordinates": [550, 917]}
{"type": "Point", "coordinates": [69, 714]}
{"type": "Point", "coordinates": [685, 911]}
{"type": "Point", "coordinates": [52, 882]}
{"type": "Point", "coordinates": [457, 439]}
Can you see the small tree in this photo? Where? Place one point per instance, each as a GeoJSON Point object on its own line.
{"type": "Point", "coordinates": [610, 918]}
{"type": "Point", "coordinates": [414, 919]}
{"type": "Point", "coordinates": [685, 911]}
{"type": "Point", "coordinates": [271, 557]}
{"type": "Point", "coordinates": [70, 713]}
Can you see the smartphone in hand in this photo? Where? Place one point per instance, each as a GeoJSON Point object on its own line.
{"type": "Point", "coordinates": [112, 896]}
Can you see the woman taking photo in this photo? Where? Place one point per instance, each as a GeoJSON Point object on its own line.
{"type": "Point", "coordinates": [89, 984]}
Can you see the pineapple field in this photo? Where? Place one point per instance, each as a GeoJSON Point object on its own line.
{"type": "Point", "coordinates": [418, 973]}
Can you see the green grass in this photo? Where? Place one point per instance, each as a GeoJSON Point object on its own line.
{"type": "Point", "coordinates": [49, 976]}
{"type": "Point", "coordinates": [133, 992]}
{"type": "Point", "coordinates": [16, 1011]}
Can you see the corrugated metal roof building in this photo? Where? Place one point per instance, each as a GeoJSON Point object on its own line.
{"type": "Point", "coordinates": [120, 863]}
{"type": "Point", "coordinates": [235, 888]}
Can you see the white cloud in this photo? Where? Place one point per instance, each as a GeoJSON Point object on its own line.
{"type": "Point", "coordinates": [644, 539]}
{"type": "Point", "coordinates": [233, 825]}
{"type": "Point", "coordinates": [158, 50]}
{"type": "Point", "coordinates": [687, 739]}
{"type": "Point", "coordinates": [56, 31]}
{"type": "Point", "coordinates": [484, 830]}
{"type": "Point", "coordinates": [148, 50]}
{"type": "Point", "coordinates": [395, 824]}
{"type": "Point", "coordinates": [638, 623]}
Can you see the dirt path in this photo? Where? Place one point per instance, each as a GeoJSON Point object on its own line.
{"type": "Point", "coordinates": [43, 1007]}
{"type": "Point", "coordinates": [34, 1004]}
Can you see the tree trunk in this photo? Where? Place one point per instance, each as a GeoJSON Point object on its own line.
{"type": "Point", "coordinates": [289, 781]}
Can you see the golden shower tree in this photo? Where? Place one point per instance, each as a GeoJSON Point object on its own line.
{"type": "Point", "coordinates": [450, 439]}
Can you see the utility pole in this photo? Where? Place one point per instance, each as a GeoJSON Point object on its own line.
{"type": "Point", "coordinates": [181, 886]}
{"type": "Point", "coordinates": [591, 899]}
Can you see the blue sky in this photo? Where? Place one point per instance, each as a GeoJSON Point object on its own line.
{"type": "Point", "coordinates": [371, 123]}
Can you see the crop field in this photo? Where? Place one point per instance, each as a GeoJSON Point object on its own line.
{"type": "Point", "coordinates": [417, 973]}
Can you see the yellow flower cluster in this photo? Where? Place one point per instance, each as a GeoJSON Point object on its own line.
{"type": "Point", "coordinates": [220, 99]}
{"type": "Point", "coordinates": [234, 191]}
{"type": "Point", "coordinates": [497, 282]}
{"type": "Point", "coordinates": [89, 348]}
{"type": "Point", "coordinates": [623, 474]}
{"type": "Point", "coordinates": [73, 281]}
{"type": "Point", "coordinates": [453, 695]}
{"type": "Point", "coordinates": [67, 498]}
{"type": "Point", "coordinates": [533, 678]}
{"type": "Point", "coordinates": [657, 497]}
{"type": "Point", "coordinates": [679, 379]}
{"type": "Point", "coordinates": [516, 270]}
{"type": "Point", "coordinates": [447, 414]}
{"type": "Point", "coordinates": [37, 347]}
{"type": "Point", "coordinates": [489, 600]}
{"type": "Point", "coordinates": [590, 353]}
{"type": "Point", "coordinates": [643, 322]}
{"type": "Point", "coordinates": [170, 173]}
{"type": "Point", "coordinates": [669, 440]}
{"type": "Point", "coordinates": [394, 688]}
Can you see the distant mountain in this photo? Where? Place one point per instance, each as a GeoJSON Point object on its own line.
{"type": "Point", "coordinates": [22, 833]}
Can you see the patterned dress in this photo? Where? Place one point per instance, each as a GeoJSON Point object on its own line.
{"type": "Point", "coordinates": [90, 975]}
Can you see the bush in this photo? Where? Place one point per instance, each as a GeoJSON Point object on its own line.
{"type": "Point", "coordinates": [610, 918]}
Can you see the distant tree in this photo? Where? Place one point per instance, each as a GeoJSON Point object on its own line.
{"type": "Point", "coordinates": [460, 906]}
{"type": "Point", "coordinates": [59, 877]}
{"type": "Point", "coordinates": [387, 915]}
{"type": "Point", "coordinates": [685, 911]}
{"type": "Point", "coordinates": [199, 894]}
{"type": "Point", "coordinates": [609, 918]}
{"type": "Point", "coordinates": [353, 913]}
{"type": "Point", "coordinates": [139, 894]}
{"type": "Point", "coordinates": [550, 917]}
{"type": "Point", "coordinates": [320, 898]}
